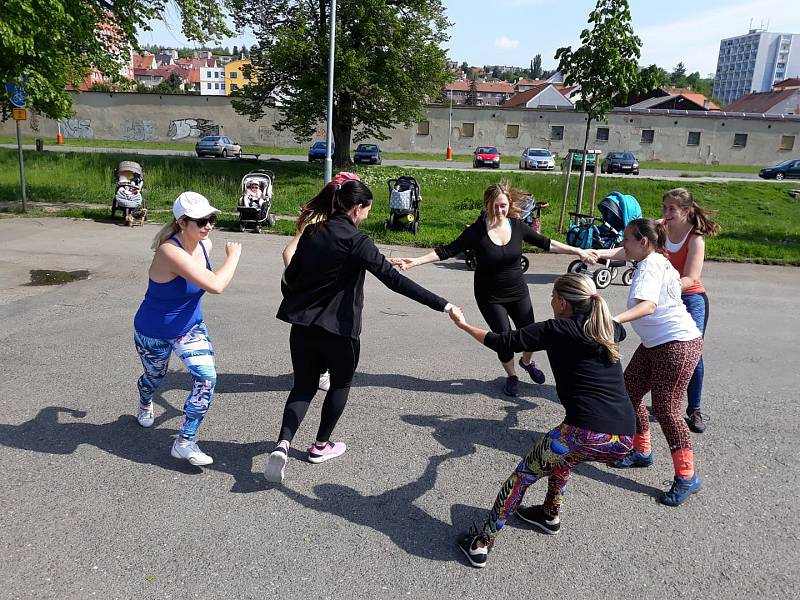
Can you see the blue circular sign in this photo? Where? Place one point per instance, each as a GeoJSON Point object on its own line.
{"type": "Point", "coordinates": [16, 95]}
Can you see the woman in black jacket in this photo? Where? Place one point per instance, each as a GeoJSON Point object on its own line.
{"type": "Point", "coordinates": [323, 295]}
{"type": "Point", "coordinates": [581, 344]}
{"type": "Point", "coordinates": [500, 288]}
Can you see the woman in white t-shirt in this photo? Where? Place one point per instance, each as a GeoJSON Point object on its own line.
{"type": "Point", "coordinates": [665, 360]}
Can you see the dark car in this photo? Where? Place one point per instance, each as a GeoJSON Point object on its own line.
{"type": "Point", "coordinates": [317, 151]}
{"type": "Point", "coordinates": [620, 162]}
{"type": "Point", "coordinates": [367, 153]}
{"type": "Point", "coordinates": [217, 145]}
{"type": "Point", "coordinates": [788, 169]}
{"type": "Point", "coordinates": [486, 156]}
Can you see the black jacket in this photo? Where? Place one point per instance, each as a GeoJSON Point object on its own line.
{"type": "Point", "coordinates": [324, 283]}
{"type": "Point", "coordinates": [591, 389]}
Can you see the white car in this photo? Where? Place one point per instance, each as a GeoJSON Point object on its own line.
{"type": "Point", "coordinates": [537, 158]}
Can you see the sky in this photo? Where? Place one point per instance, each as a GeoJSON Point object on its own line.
{"type": "Point", "coordinates": [512, 32]}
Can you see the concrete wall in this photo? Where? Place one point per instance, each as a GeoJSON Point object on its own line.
{"type": "Point", "coordinates": [150, 117]}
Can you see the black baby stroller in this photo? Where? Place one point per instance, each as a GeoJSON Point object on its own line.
{"type": "Point", "coordinates": [129, 180]}
{"type": "Point", "coordinates": [404, 198]}
{"type": "Point", "coordinates": [530, 214]}
{"type": "Point", "coordinates": [588, 231]}
{"type": "Point", "coordinates": [255, 203]}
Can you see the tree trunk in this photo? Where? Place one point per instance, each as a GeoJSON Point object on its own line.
{"type": "Point", "coordinates": [342, 130]}
{"type": "Point", "coordinates": [579, 207]}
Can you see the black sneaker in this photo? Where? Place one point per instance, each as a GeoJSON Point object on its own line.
{"type": "Point", "coordinates": [476, 555]}
{"type": "Point", "coordinates": [511, 386]}
{"type": "Point", "coordinates": [536, 516]}
{"type": "Point", "coordinates": [537, 375]}
{"type": "Point", "coordinates": [695, 421]}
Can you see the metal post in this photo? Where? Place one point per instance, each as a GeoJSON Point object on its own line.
{"type": "Point", "coordinates": [566, 193]}
{"type": "Point", "coordinates": [594, 182]}
{"type": "Point", "coordinates": [331, 55]}
{"type": "Point", "coordinates": [449, 154]}
{"type": "Point", "coordinates": [21, 168]}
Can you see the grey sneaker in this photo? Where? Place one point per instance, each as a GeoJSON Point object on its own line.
{"type": "Point", "coordinates": [188, 450]}
{"type": "Point", "coordinates": [275, 470]}
{"type": "Point", "coordinates": [694, 420]}
{"type": "Point", "coordinates": [145, 415]}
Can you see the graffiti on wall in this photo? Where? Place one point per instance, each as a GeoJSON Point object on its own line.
{"type": "Point", "coordinates": [139, 130]}
{"type": "Point", "coordinates": [77, 128]}
{"type": "Point", "coordinates": [184, 128]}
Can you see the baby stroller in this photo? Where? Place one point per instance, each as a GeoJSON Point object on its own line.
{"type": "Point", "coordinates": [404, 200]}
{"type": "Point", "coordinates": [255, 203]}
{"type": "Point", "coordinates": [129, 180]}
{"type": "Point", "coordinates": [530, 214]}
{"type": "Point", "coordinates": [616, 210]}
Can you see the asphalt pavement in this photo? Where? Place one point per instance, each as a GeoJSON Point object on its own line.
{"type": "Point", "coordinates": [94, 506]}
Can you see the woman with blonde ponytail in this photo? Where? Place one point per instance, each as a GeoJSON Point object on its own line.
{"type": "Point", "coordinates": [581, 344]}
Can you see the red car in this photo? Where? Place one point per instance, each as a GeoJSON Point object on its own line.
{"type": "Point", "coordinates": [486, 156]}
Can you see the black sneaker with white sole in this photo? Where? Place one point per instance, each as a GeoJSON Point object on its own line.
{"type": "Point", "coordinates": [476, 555]}
{"type": "Point", "coordinates": [536, 516]}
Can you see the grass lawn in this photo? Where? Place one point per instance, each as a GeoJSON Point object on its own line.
{"type": "Point", "coordinates": [760, 222]}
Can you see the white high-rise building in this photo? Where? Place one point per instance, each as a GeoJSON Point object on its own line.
{"type": "Point", "coordinates": [754, 62]}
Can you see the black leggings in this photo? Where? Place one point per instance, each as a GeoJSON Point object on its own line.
{"type": "Point", "coordinates": [496, 316]}
{"type": "Point", "coordinates": [313, 351]}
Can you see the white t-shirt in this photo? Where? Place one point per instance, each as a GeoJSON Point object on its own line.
{"type": "Point", "coordinates": [656, 280]}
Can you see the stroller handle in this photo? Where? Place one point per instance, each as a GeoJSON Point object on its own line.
{"type": "Point", "coordinates": [583, 216]}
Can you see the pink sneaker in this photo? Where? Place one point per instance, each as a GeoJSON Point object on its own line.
{"type": "Point", "coordinates": [328, 451]}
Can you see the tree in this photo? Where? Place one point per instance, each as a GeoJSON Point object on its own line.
{"type": "Point", "coordinates": [536, 67]}
{"type": "Point", "coordinates": [465, 66]}
{"type": "Point", "coordinates": [236, 51]}
{"type": "Point", "coordinates": [172, 84]}
{"type": "Point", "coordinates": [678, 76]}
{"type": "Point", "coordinates": [604, 65]}
{"type": "Point", "coordinates": [48, 45]}
{"type": "Point", "coordinates": [472, 94]}
{"type": "Point", "coordinates": [389, 62]}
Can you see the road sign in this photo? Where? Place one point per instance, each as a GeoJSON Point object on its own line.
{"type": "Point", "coordinates": [19, 114]}
{"type": "Point", "coordinates": [16, 94]}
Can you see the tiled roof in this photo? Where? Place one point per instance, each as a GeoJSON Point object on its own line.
{"type": "Point", "coordinates": [147, 61]}
{"type": "Point", "coordinates": [481, 86]}
{"type": "Point", "coordinates": [523, 98]}
{"type": "Point", "coordinates": [760, 102]}
{"type": "Point", "coordinates": [787, 83]}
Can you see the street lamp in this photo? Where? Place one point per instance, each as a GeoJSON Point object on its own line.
{"type": "Point", "coordinates": [449, 155]}
{"type": "Point", "coordinates": [331, 54]}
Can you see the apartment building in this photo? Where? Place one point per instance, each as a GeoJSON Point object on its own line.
{"type": "Point", "coordinates": [754, 62]}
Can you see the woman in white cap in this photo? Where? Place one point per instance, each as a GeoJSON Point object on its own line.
{"type": "Point", "coordinates": [170, 320]}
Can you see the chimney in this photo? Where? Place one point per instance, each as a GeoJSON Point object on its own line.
{"type": "Point", "coordinates": [706, 104]}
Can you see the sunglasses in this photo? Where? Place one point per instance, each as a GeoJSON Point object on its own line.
{"type": "Point", "coordinates": [211, 219]}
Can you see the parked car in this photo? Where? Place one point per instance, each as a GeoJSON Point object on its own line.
{"type": "Point", "coordinates": [788, 169]}
{"type": "Point", "coordinates": [367, 153]}
{"type": "Point", "coordinates": [620, 162]}
{"type": "Point", "coordinates": [217, 145]}
{"type": "Point", "coordinates": [318, 150]}
{"type": "Point", "coordinates": [486, 156]}
{"type": "Point", "coordinates": [537, 158]}
{"type": "Point", "coordinates": [577, 159]}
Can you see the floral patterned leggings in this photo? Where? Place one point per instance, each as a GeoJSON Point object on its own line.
{"type": "Point", "coordinates": [552, 456]}
{"type": "Point", "coordinates": [194, 349]}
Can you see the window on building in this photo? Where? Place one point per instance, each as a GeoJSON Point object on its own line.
{"type": "Point", "coordinates": [602, 134]}
{"type": "Point", "coordinates": [648, 135]}
{"type": "Point", "coordinates": [739, 140]}
{"type": "Point", "coordinates": [216, 86]}
{"type": "Point", "coordinates": [512, 131]}
{"type": "Point", "coordinates": [467, 129]}
{"type": "Point", "coordinates": [208, 74]}
{"type": "Point", "coordinates": [222, 86]}
{"type": "Point", "coordinates": [216, 74]}
{"type": "Point", "coordinates": [424, 128]}
{"type": "Point", "coordinates": [557, 132]}
{"type": "Point", "coordinates": [208, 86]}
{"type": "Point", "coordinates": [787, 142]}
{"type": "Point", "coordinates": [694, 138]}
{"type": "Point", "coordinates": [233, 74]}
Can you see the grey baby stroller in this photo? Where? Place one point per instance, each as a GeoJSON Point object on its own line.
{"type": "Point", "coordinates": [404, 199]}
{"type": "Point", "coordinates": [255, 203]}
{"type": "Point", "coordinates": [129, 181]}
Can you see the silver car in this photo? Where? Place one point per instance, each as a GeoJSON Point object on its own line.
{"type": "Point", "coordinates": [217, 145]}
{"type": "Point", "coordinates": [537, 158]}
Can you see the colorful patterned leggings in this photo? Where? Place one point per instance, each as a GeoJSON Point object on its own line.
{"type": "Point", "coordinates": [194, 349]}
{"type": "Point", "coordinates": [553, 456]}
{"type": "Point", "coordinates": [664, 371]}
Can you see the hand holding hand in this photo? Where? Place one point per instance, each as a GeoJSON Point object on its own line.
{"type": "Point", "coordinates": [589, 257]}
{"type": "Point", "coordinates": [395, 261]}
{"type": "Point", "coordinates": [233, 249]}
{"type": "Point", "coordinates": [457, 315]}
{"type": "Point", "coordinates": [407, 264]}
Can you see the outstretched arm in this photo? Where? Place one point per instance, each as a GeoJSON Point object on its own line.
{"type": "Point", "coordinates": [409, 263]}
{"type": "Point", "coordinates": [457, 314]}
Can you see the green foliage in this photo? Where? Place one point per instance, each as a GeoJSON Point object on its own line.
{"type": "Point", "coordinates": [49, 44]}
{"type": "Point", "coordinates": [173, 84]}
{"type": "Point", "coordinates": [472, 94]}
{"type": "Point", "coordinates": [389, 62]}
{"type": "Point", "coordinates": [536, 67]}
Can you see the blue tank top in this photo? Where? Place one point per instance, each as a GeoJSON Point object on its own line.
{"type": "Point", "coordinates": [170, 309]}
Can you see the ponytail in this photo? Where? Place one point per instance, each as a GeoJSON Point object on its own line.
{"type": "Point", "coordinates": [654, 232]}
{"type": "Point", "coordinates": [166, 232]}
{"type": "Point", "coordinates": [579, 290]}
{"type": "Point", "coordinates": [334, 197]}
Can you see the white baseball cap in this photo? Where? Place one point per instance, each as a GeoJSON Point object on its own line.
{"type": "Point", "coordinates": [192, 205]}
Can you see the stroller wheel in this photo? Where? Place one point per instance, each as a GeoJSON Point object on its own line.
{"type": "Point", "coordinates": [576, 266]}
{"type": "Point", "coordinates": [627, 276]}
{"type": "Point", "coordinates": [524, 263]}
{"type": "Point", "coordinates": [271, 221]}
{"type": "Point", "coordinates": [415, 227]}
{"type": "Point", "coordinates": [614, 271]}
{"type": "Point", "coordinates": [258, 228]}
{"type": "Point", "coordinates": [602, 278]}
{"type": "Point", "coordinates": [241, 227]}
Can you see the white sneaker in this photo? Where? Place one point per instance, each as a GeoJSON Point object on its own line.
{"type": "Point", "coordinates": [145, 415]}
{"type": "Point", "coordinates": [276, 465]}
{"type": "Point", "coordinates": [188, 450]}
{"type": "Point", "coordinates": [325, 381]}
